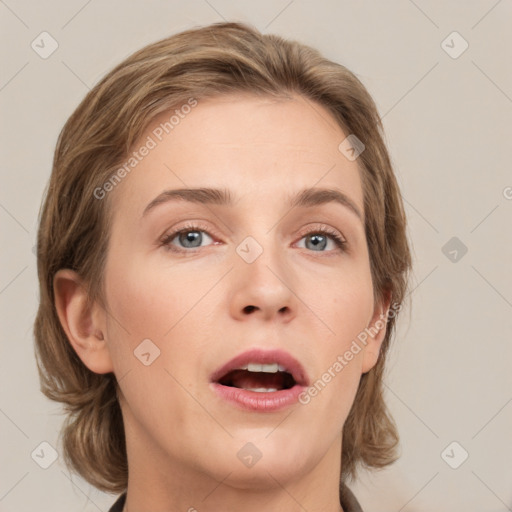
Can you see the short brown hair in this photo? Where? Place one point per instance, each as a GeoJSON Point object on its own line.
{"type": "Point", "coordinates": [74, 225]}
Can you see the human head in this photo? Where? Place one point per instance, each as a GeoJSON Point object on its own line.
{"type": "Point", "coordinates": [201, 64]}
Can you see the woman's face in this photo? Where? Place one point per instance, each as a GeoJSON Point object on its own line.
{"type": "Point", "coordinates": [254, 274]}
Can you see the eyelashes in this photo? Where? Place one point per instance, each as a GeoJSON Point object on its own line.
{"type": "Point", "coordinates": [322, 231]}
{"type": "Point", "coordinates": [325, 232]}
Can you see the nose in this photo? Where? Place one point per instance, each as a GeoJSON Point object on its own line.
{"type": "Point", "coordinates": [263, 288]}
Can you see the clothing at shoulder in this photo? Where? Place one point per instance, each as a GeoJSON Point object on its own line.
{"type": "Point", "coordinates": [347, 500]}
{"type": "Point", "coordinates": [119, 504]}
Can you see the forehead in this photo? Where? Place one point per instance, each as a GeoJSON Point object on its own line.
{"type": "Point", "coordinates": [260, 147]}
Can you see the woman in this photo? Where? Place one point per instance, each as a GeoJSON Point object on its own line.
{"type": "Point", "coordinates": [222, 254]}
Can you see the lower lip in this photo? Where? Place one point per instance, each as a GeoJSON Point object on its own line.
{"type": "Point", "coordinates": [259, 401]}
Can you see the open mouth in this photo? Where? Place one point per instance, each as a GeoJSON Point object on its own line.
{"type": "Point", "coordinates": [261, 378]}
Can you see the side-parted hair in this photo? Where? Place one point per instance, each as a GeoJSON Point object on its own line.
{"type": "Point", "coordinates": [220, 59]}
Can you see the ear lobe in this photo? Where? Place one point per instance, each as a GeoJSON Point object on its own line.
{"type": "Point", "coordinates": [85, 326]}
{"type": "Point", "coordinates": [377, 332]}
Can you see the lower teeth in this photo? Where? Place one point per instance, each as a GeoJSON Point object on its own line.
{"type": "Point", "coordinates": [262, 390]}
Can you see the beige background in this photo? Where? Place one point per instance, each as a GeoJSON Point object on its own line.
{"type": "Point", "coordinates": [448, 127]}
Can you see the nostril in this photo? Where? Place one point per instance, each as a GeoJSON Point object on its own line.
{"type": "Point", "coordinates": [249, 309]}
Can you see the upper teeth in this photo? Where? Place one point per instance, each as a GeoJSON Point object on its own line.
{"type": "Point", "coordinates": [267, 368]}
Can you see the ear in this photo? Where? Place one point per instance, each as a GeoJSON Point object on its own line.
{"type": "Point", "coordinates": [84, 326]}
{"type": "Point", "coordinates": [376, 333]}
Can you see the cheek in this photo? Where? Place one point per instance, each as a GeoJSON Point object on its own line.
{"type": "Point", "coordinates": [147, 327]}
{"type": "Point", "coordinates": [164, 306]}
{"type": "Point", "coordinates": [332, 390]}
{"type": "Point", "coordinates": [346, 306]}
{"type": "Point", "coordinates": [137, 318]}
{"type": "Point", "coordinates": [147, 302]}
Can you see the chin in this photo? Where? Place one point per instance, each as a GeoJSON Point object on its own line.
{"type": "Point", "coordinates": [263, 462]}
{"type": "Point", "coordinates": [269, 473]}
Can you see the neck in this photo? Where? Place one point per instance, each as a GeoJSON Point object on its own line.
{"type": "Point", "coordinates": [157, 483]}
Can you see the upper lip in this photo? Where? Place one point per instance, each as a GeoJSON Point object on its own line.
{"type": "Point", "coordinates": [262, 356]}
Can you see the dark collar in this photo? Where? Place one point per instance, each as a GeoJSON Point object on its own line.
{"type": "Point", "coordinates": [119, 504]}
{"type": "Point", "coordinates": [348, 501]}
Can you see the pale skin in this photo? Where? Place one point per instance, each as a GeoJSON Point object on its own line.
{"type": "Point", "coordinates": [312, 301]}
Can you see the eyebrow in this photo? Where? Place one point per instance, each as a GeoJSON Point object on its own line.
{"type": "Point", "coordinates": [305, 198]}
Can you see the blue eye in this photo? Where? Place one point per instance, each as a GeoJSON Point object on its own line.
{"type": "Point", "coordinates": [192, 237]}
{"type": "Point", "coordinates": [188, 238]}
{"type": "Point", "coordinates": [320, 238]}
{"type": "Point", "coordinates": [190, 241]}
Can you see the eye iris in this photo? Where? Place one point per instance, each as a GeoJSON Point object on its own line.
{"type": "Point", "coordinates": [318, 241]}
{"type": "Point", "coordinates": [187, 238]}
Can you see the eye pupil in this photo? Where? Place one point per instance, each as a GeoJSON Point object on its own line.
{"type": "Point", "coordinates": [318, 241]}
{"type": "Point", "coordinates": [189, 237]}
